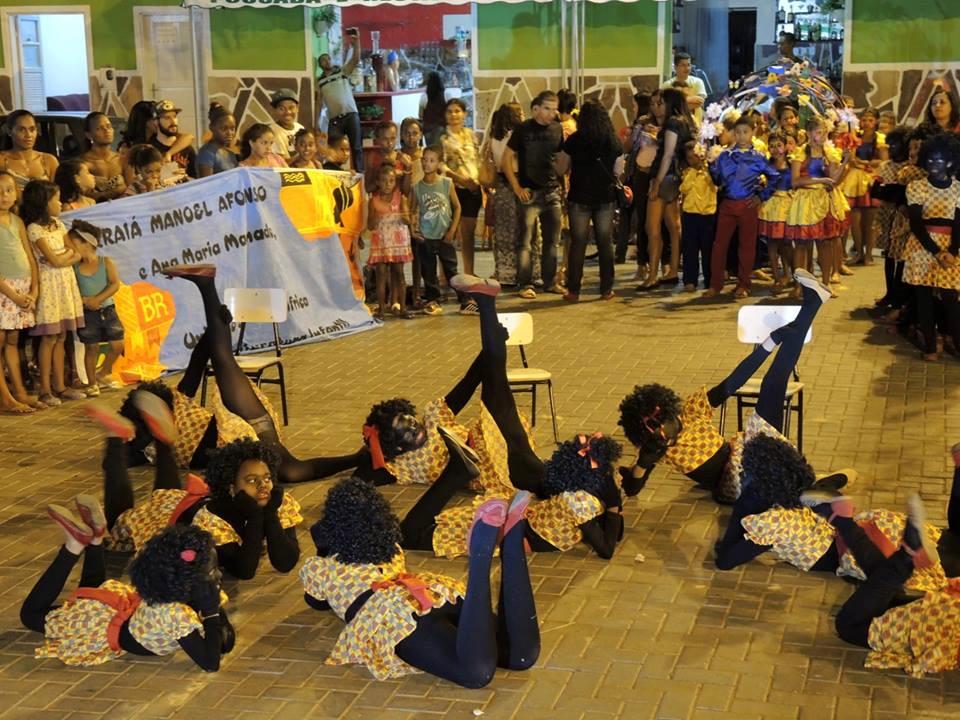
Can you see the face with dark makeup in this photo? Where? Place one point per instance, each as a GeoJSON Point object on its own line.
{"type": "Point", "coordinates": [939, 166]}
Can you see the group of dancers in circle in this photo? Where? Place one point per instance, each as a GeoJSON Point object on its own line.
{"type": "Point", "coordinates": [191, 529]}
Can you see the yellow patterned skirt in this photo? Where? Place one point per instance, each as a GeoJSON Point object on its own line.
{"type": "Point", "coordinates": [817, 213]}
{"type": "Point", "coordinates": [922, 268]}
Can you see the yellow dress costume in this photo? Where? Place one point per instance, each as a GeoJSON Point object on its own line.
{"type": "Point", "coordinates": [920, 637]}
{"type": "Point", "coordinates": [76, 632]}
{"type": "Point", "coordinates": [817, 212]}
{"type": "Point", "coordinates": [425, 464]}
{"type": "Point", "coordinates": [856, 182]}
{"type": "Point", "coordinates": [137, 525]}
{"type": "Point", "coordinates": [387, 617]}
{"type": "Point", "coordinates": [920, 267]}
{"type": "Point", "coordinates": [193, 419]}
{"type": "Point", "coordinates": [557, 520]}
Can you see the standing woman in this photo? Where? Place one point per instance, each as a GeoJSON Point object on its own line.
{"type": "Point", "coordinates": [663, 201]}
{"type": "Point", "coordinates": [433, 108]}
{"type": "Point", "coordinates": [104, 162]}
{"type": "Point", "coordinates": [22, 161]}
{"type": "Point", "coordinates": [641, 149]}
{"type": "Point", "coordinates": [943, 112]}
{"type": "Point", "coordinates": [505, 210]}
{"type": "Point", "coordinates": [593, 149]}
{"type": "Point", "coordinates": [460, 159]}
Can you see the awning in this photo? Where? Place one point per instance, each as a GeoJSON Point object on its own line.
{"type": "Point", "coordinates": [214, 4]}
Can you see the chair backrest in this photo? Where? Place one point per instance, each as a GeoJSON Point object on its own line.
{"type": "Point", "coordinates": [756, 322]}
{"type": "Point", "coordinates": [519, 326]}
{"type": "Point", "coordinates": [257, 305]}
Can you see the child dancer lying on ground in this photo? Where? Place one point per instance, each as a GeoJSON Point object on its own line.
{"type": "Point", "coordinates": [580, 499]}
{"type": "Point", "coordinates": [684, 434]}
{"type": "Point", "coordinates": [241, 410]}
{"type": "Point", "coordinates": [238, 505]}
{"type": "Point", "coordinates": [399, 623]}
{"type": "Point", "coordinates": [173, 601]}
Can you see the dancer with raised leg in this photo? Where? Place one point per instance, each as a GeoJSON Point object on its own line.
{"type": "Point", "coordinates": [399, 623]}
{"type": "Point", "coordinates": [173, 602]}
{"type": "Point", "coordinates": [579, 498]}
{"type": "Point", "coordinates": [662, 427]}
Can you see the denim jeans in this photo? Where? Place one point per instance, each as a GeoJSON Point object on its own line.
{"type": "Point", "coordinates": [545, 206]}
{"type": "Point", "coordinates": [349, 124]}
{"type": "Point", "coordinates": [429, 251]}
{"type": "Point", "coordinates": [580, 217]}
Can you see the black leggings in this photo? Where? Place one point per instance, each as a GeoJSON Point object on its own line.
{"type": "Point", "coordinates": [43, 597]}
{"type": "Point", "coordinates": [773, 388]}
{"type": "Point", "coordinates": [927, 319]}
{"type": "Point", "coordinates": [465, 642]}
{"type": "Point", "coordinates": [238, 395]}
{"type": "Point", "coordinates": [873, 598]}
{"type": "Point", "coordinates": [897, 292]}
{"type": "Point", "coordinates": [117, 488]}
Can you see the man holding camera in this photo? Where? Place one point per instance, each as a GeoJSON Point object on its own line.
{"type": "Point", "coordinates": [336, 93]}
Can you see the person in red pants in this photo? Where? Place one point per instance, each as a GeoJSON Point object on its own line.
{"type": "Point", "coordinates": [737, 172]}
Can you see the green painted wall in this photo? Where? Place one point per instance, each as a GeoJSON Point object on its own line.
{"type": "Point", "coordinates": [269, 39]}
{"type": "Point", "coordinates": [905, 31]}
{"type": "Point", "coordinates": [526, 36]}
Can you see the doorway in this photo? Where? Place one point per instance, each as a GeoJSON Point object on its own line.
{"type": "Point", "coordinates": [50, 58]}
{"type": "Point", "coordinates": [742, 33]}
{"type": "Point", "coordinates": [165, 56]}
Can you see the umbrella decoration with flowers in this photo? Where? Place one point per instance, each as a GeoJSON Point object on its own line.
{"type": "Point", "coordinates": [801, 85]}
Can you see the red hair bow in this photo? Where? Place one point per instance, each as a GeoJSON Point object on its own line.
{"type": "Point", "coordinates": [372, 435]}
{"type": "Point", "coordinates": [584, 450]}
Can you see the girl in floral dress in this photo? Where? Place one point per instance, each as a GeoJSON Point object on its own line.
{"type": "Point", "coordinates": [390, 243]}
{"type": "Point", "coordinates": [173, 601]}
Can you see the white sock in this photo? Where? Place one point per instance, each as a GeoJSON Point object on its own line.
{"type": "Point", "coordinates": [769, 344]}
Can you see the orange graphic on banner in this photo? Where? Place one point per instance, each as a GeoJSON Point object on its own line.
{"type": "Point", "coordinates": [146, 313]}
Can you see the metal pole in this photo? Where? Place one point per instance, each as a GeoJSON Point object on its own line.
{"type": "Point", "coordinates": [575, 48]}
{"type": "Point", "coordinates": [581, 85]}
{"type": "Point", "coordinates": [199, 76]}
{"type": "Point", "coordinates": [563, 42]}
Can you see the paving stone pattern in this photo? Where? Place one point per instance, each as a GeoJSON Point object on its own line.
{"type": "Point", "coordinates": [656, 632]}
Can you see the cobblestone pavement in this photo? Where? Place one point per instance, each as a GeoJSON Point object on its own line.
{"type": "Point", "coordinates": [657, 632]}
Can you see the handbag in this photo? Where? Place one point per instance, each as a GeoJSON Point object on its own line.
{"type": "Point", "coordinates": [669, 189]}
{"type": "Point", "coordinates": [621, 193]}
{"type": "Point", "coordinates": [487, 172]}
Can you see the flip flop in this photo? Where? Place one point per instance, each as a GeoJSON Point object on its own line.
{"type": "Point", "coordinates": [475, 285]}
{"type": "Point", "coordinates": [74, 526]}
{"type": "Point", "coordinates": [114, 423]}
{"type": "Point", "coordinates": [198, 270]}
{"type": "Point", "coordinates": [492, 512]}
{"type": "Point", "coordinates": [92, 514]}
{"type": "Point", "coordinates": [157, 415]}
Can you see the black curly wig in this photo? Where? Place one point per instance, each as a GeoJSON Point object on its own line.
{"type": "Point", "coordinates": [776, 472]}
{"type": "Point", "coordinates": [224, 463]}
{"type": "Point", "coordinates": [643, 403]}
{"type": "Point", "coordinates": [568, 471]}
{"type": "Point", "coordinates": [357, 525]}
{"type": "Point", "coordinates": [382, 416]}
{"type": "Point", "coordinates": [944, 143]}
{"type": "Point", "coordinates": [160, 575]}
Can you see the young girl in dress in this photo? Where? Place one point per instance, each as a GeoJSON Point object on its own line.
{"type": "Point", "coordinates": [818, 213]}
{"type": "Point", "coordinates": [772, 225]}
{"type": "Point", "coordinates": [871, 150]}
{"type": "Point", "coordinates": [397, 622]}
{"type": "Point", "coordinates": [146, 165]}
{"type": "Point", "coordinates": [305, 143]}
{"type": "Point", "coordinates": [409, 173]}
{"type": "Point", "coordinates": [173, 599]}
{"type": "Point", "coordinates": [256, 148]}
{"type": "Point", "coordinates": [390, 248]}
{"type": "Point", "coordinates": [75, 181]}
{"type": "Point", "coordinates": [19, 287]}
{"type": "Point", "coordinates": [59, 308]}
{"type": "Point", "coordinates": [890, 221]}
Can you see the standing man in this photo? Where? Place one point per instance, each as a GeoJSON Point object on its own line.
{"type": "Point", "coordinates": [691, 85]}
{"type": "Point", "coordinates": [336, 93]}
{"type": "Point", "coordinates": [785, 48]}
{"type": "Point", "coordinates": [537, 145]}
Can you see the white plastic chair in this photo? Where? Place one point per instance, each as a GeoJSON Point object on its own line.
{"type": "Point", "coordinates": [754, 325]}
{"type": "Point", "coordinates": [257, 305]}
{"type": "Point", "coordinates": [526, 379]}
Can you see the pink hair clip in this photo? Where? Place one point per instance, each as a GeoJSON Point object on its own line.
{"type": "Point", "coordinates": [188, 555]}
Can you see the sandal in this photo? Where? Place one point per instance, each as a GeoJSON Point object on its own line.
{"type": "Point", "coordinates": [92, 514]}
{"type": "Point", "coordinates": [115, 424]}
{"type": "Point", "coordinates": [492, 512]}
{"type": "Point", "coordinates": [50, 400]}
{"type": "Point", "coordinates": [157, 415]}
{"type": "Point", "coordinates": [71, 524]}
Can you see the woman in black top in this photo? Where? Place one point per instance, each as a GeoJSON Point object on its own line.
{"type": "Point", "coordinates": [433, 114]}
{"type": "Point", "coordinates": [663, 202]}
{"type": "Point", "coordinates": [593, 149]}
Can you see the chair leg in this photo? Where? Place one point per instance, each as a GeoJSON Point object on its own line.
{"type": "Point", "coordinates": [553, 411]}
{"type": "Point", "coordinates": [533, 405]}
{"type": "Point", "coordinates": [283, 392]}
{"type": "Point", "coordinates": [788, 408]}
{"type": "Point", "coordinates": [203, 389]}
{"type": "Point", "coordinates": [800, 421]}
{"type": "Point", "coordinates": [723, 417]}
{"type": "Point", "coordinates": [739, 414]}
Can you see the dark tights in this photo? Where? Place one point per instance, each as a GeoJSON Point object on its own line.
{"type": "Point", "coordinates": [117, 488]}
{"type": "Point", "coordinates": [897, 292]}
{"type": "Point", "coordinates": [773, 388]}
{"type": "Point", "coordinates": [43, 596]}
{"type": "Point", "coordinates": [926, 316]}
{"type": "Point", "coordinates": [465, 642]}
{"type": "Point", "coordinates": [885, 579]}
{"type": "Point", "coordinates": [238, 395]}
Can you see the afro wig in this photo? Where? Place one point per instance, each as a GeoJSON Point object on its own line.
{"type": "Point", "coordinates": [571, 466]}
{"type": "Point", "coordinates": [776, 472]}
{"type": "Point", "coordinates": [382, 416]}
{"type": "Point", "coordinates": [358, 525]}
{"type": "Point", "coordinates": [159, 572]}
{"type": "Point", "coordinates": [648, 404]}
{"type": "Point", "coordinates": [224, 463]}
{"type": "Point", "coordinates": [944, 143]}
